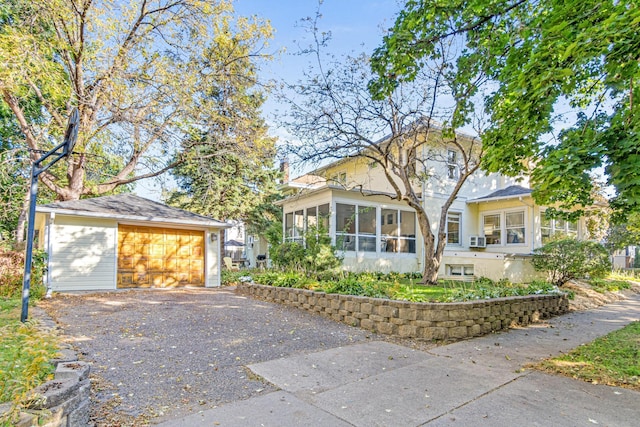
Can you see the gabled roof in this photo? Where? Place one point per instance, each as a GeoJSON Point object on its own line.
{"type": "Point", "coordinates": [511, 192]}
{"type": "Point", "coordinates": [130, 207]}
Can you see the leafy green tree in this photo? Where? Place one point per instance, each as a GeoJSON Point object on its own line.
{"type": "Point", "coordinates": [621, 236]}
{"type": "Point", "coordinates": [569, 65]}
{"type": "Point", "coordinates": [229, 174]}
{"type": "Point", "coordinates": [147, 76]}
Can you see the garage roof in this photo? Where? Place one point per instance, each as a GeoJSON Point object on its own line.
{"type": "Point", "coordinates": [130, 207]}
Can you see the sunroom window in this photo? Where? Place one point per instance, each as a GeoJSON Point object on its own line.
{"type": "Point", "coordinates": [556, 228]}
{"type": "Point", "coordinates": [346, 227]}
{"type": "Point", "coordinates": [367, 229]}
{"type": "Point", "coordinates": [398, 231]}
{"type": "Point", "coordinates": [294, 226]}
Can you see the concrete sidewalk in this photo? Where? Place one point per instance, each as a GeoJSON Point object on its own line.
{"type": "Point", "coordinates": [477, 382]}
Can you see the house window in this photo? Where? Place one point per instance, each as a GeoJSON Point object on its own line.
{"type": "Point", "coordinates": [313, 219]}
{"type": "Point", "coordinates": [492, 229]}
{"type": "Point", "coordinates": [515, 227]}
{"type": "Point", "coordinates": [346, 227]}
{"type": "Point", "coordinates": [459, 270]}
{"type": "Point", "coordinates": [294, 226]}
{"type": "Point", "coordinates": [398, 231]}
{"type": "Point", "coordinates": [555, 228]}
{"type": "Point", "coordinates": [452, 164]}
{"type": "Point", "coordinates": [509, 224]}
{"type": "Point", "coordinates": [356, 228]}
{"type": "Point", "coordinates": [323, 218]}
{"type": "Point", "coordinates": [340, 178]}
{"type": "Point", "coordinates": [367, 229]}
{"type": "Point", "coordinates": [453, 228]}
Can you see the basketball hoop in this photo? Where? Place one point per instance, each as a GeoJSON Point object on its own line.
{"type": "Point", "coordinates": [71, 134]}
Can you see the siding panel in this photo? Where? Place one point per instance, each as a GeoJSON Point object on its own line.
{"type": "Point", "coordinates": [83, 254]}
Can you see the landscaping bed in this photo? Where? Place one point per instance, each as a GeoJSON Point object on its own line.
{"type": "Point", "coordinates": [429, 321]}
{"type": "Point", "coordinates": [393, 286]}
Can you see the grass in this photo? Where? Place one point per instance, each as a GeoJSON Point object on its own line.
{"type": "Point", "coordinates": [9, 310]}
{"type": "Point", "coordinates": [609, 285]}
{"type": "Point", "coordinates": [25, 355]}
{"type": "Point", "coordinates": [612, 360]}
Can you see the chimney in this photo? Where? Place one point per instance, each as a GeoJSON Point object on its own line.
{"type": "Point", "coordinates": [284, 168]}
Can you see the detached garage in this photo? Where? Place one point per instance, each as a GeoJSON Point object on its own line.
{"type": "Point", "coordinates": [126, 241]}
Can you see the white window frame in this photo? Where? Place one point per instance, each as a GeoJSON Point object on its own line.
{"type": "Point", "coordinates": [452, 215]}
{"type": "Point", "coordinates": [452, 164]}
{"type": "Point", "coordinates": [554, 230]}
{"type": "Point", "coordinates": [459, 270]}
{"type": "Point", "coordinates": [360, 242]}
{"type": "Point", "coordinates": [400, 240]}
{"type": "Point", "coordinates": [503, 227]}
{"type": "Point", "coordinates": [356, 235]}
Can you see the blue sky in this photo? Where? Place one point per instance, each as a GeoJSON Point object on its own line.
{"type": "Point", "coordinates": [355, 25]}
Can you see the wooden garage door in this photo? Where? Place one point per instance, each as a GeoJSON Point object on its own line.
{"type": "Point", "coordinates": [159, 257]}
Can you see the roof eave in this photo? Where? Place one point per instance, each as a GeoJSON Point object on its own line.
{"type": "Point", "coordinates": [499, 198]}
{"type": "Point", "coordinates": [212, 224]}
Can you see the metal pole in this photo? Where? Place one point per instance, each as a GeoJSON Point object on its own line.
{"type": "Point", "coordinates": [26, 284]}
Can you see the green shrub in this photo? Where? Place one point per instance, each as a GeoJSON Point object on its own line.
{"type": "Point", "coordinates": [289, 256]}
{"type": "Point", "coordinates": [283, 279]}
{"type": "Point", "coordinates": [567, 259]}
{"type": "Point", "coordinates": [314, 256]}
{"type": "Point", "coordinates": [231, 278]}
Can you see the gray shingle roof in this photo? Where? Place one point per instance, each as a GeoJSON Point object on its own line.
{"type": "Point", "coordinates": [506, 193]}
{"type": "Point", "coordinates": [131, 207]}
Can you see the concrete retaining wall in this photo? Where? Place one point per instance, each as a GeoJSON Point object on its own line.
{"type": "Point", "coordinates": [432, 321]}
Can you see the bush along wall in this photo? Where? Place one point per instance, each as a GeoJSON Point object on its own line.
{"type": "Point", "coordinates": [430, 321]}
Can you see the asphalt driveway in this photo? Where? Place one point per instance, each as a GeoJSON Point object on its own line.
{"type": "Point", "coordinates": [162, 354]}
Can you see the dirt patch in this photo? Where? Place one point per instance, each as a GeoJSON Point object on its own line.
{"type": "Point", "coordinates": [587, 298]}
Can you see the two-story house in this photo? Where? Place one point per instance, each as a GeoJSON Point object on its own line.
{"type": "Point", "coordinates": [492, 226]}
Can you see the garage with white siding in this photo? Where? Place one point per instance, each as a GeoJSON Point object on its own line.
{"type": "Point", "coordinates": [126, 241]}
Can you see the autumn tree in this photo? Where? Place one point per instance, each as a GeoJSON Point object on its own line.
{"type": "Point", "coordinates": [334, 116]}
{"type": "Point", "coordinates": [147, 76]}
{"type": "Point", "coordinates": [565, 97]}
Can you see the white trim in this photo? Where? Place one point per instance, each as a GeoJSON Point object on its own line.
{"type": "Point", "coordinates": [155, 220]}
{"type": "Point", "coordinates": [502, 213]}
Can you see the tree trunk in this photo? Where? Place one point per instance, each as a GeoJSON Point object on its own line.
{"type": "Point", "coordinates": [431, 263]}
{"type": "Point", "coordinates": [22, 219]}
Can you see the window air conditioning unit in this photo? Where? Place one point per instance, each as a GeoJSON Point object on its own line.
{"type": "Point", "coordinates": [477, 242]}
